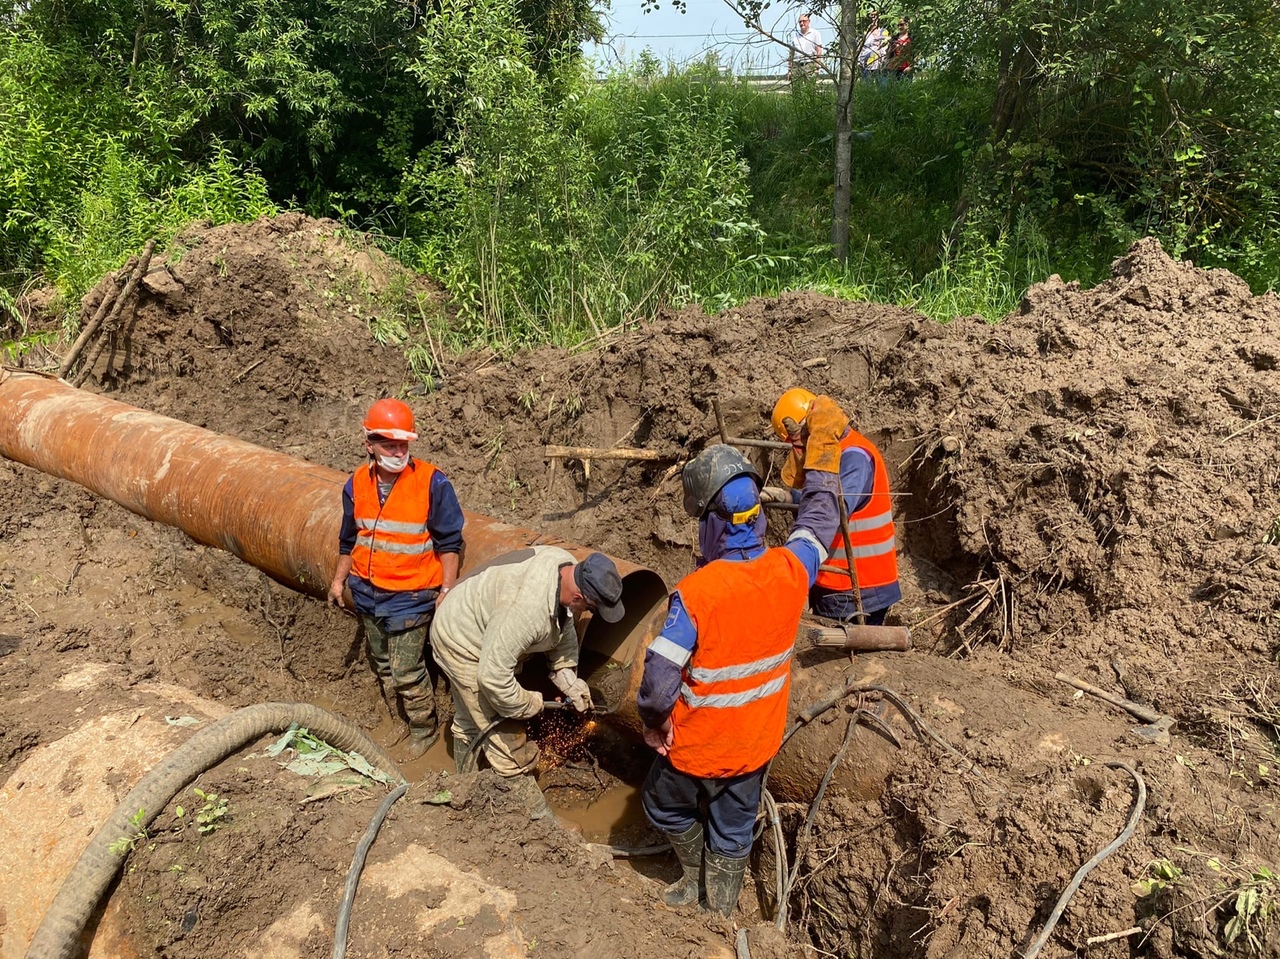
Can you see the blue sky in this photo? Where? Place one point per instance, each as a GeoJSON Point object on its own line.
{"type": "Point", "coordinates": [685, 37]}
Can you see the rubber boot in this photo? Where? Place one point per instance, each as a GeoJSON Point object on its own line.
{"type": "Point", "coordinates": [424, 730]}
{"type": "Point", "coordinates": [536, 805]}
{"type": "Point", "coordinates": [399, 728]}
{"type": "Point", "coordinates": [688, 848]}
{"type": "Point", "coordinates": [461, 746]}
{"type": "Point", "coordinates": [723, 877]}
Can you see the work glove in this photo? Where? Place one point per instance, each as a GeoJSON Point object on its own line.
{"type": "Point", "coordinates": [533, 704]}
{"type": "Point", "coordinates": [574, 689]}
{"type": "Point", "coordinates": [774, 494]}
{"type": "Point", "coordinates": [823, 427]}
{"type": "Point", "coordinates": [793, 468]}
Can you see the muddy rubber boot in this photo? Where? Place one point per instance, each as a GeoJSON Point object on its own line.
{"type": "Point", "coordinates": [420, 740]}
{"type": "Point", "coordinates": [688, 848]}
{"type": "Point", "coordinates": [461, 746]}
{"type": "Point", "coordinates": [424, 730]}
{"type": "Point", "coordinates": [723, 877]}
{"type": "Point", "coordinates": [399, 728]}
{"type": "Point", "coordinates": [536, 805]}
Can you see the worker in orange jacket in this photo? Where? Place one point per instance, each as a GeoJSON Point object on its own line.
{"type": "Point", "coordinates": [864, 481]}
{"type": "Point", "coordinates": [398, 553]}
{"type": "Point", "coordinates": [716, 681]}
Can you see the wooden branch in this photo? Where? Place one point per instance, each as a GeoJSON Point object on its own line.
{"type": "Point", "coordinates": [139, 271]}
{"type": "Point", "coordinates": [1146, 714]}
{"type": "Point", "coordinates": [608, 453]}
{"type": "Point", "coordinates": [1112, 936]}
{"type": "Point", "coordinates": [90, 328]}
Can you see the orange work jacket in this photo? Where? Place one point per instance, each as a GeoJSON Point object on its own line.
{"type": "Point", "coordinates": [870, 531]}
{"type": "Point", "coordinates": [393, 546]}
{"type": "Point", "coordinates": [732, 709]}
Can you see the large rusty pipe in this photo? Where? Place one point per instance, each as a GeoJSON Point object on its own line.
{"type": "Point", "coordinates": [274, 511]}
{"type": "Point", "coordinates": [282, 515]}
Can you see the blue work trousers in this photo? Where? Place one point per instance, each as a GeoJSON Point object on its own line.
{"type": "Point", "coordinates": [673, 801]}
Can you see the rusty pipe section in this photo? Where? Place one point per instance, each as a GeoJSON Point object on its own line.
{"type": "Point", "coordinates": [276, 512]}
{"type": "Point", "coordinates": [282, 515]}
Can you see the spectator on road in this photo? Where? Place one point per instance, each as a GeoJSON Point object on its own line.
{"type": "Point", "coordinates": [806, 50]}
{"type": "Point", "coordinates": [900, 51]}
{"type": "Point", "coordinates": [873, 58]}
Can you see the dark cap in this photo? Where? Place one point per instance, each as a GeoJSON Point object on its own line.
{"type": "Point", "coordinates": [600, 583]}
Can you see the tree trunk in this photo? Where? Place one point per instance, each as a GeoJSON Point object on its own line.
{"type": "Point", "coordinates": [844, 130]}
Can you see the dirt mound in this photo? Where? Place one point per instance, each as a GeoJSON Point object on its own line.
{"type": "Point", "coordinates": [239, 327]}
{"type": "Point", "coordinates": [1089, 486]}
{"type": "Point", "coordinates": [1106, 463]}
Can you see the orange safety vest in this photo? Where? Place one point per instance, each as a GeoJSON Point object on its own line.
{"type": "Point", "coordinates": [732, 709]}
{"type": "Point", "coordinates": [870, 531]}
{"type": "Point", "coordinates": [393, 546]}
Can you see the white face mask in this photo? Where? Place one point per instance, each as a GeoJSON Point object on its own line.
{"type": "Point", "coordinates": [394, 464]}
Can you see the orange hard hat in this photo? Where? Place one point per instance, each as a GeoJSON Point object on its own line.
{"type": "Point", "coordinates": [793, 404]}
{"type": "Point", "coordinates": [390, 418]}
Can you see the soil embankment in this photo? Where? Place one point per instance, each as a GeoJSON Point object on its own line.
{"type": "Point", "coordinates": [1091, 486]}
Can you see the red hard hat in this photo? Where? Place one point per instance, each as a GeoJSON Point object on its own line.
{"type": "Point", "coordinates": [390, 418]}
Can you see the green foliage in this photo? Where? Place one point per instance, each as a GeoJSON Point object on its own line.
{"type": "Point", "coordinates": [1161, 875]}
{"type": "Point", "coordinates": [1254, 906]}
{"type": "Point", "coordinates": [557, 208]}
{"type": "Point", "coordinates": [128, 842]}
{"type": "Point", "coordinates": [83, 181]}
{"type": "Point", "coordinates": [213, 812]}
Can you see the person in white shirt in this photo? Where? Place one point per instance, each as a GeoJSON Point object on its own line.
{"type": "Point", "coordinates": [873, 58]}
{"type": "Point", "coordinates": [806, 49]}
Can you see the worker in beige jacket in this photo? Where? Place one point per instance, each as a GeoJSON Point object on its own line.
{"type": "Point", "coordinates": [522, 603]}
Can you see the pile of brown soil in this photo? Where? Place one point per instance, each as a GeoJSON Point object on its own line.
{"type": "Point", "coordinates": [1089, 486]}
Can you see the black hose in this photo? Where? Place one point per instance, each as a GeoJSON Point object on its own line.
{"type": "Point", "coordinates": [1139, 803]}
{"type": "Point", "coordinates": [357, 867]}
{"type": "Point", "coordinates": [468, 763]}
{"type": "Point", "coordinates": [58, 936]}
{"type": "Point", "coordinates": [631, 852]}
{"type": "Point", "coordinates": [802, 839]}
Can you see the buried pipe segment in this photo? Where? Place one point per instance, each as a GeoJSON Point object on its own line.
{"type": "Point", "coordinates": [282, 514]}
{"type": "Point", "coordinates": [58, 936]}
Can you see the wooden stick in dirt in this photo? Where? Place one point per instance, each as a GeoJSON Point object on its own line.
{"type": "Point", "coordinates": [1112, 936]}
{"type": "Point", "coordinates": [139, 271]}
{"type": "Point", "coordinates": [89, 329]}
{"type": "Point", "coordinates": [1128, 705]}
{"type": "Point", "coordinates": [608, 453]}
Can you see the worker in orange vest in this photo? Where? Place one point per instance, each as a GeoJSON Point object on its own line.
{"type": "Point", "coordinates": [864, 482]}
{"type": "Point", "coordinates": [717, 680]}
{"type": "Point", "coordinates": [398, 553]}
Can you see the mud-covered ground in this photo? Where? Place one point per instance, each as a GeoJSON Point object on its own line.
{"type": "Point", "coordinates": [1091, 486]}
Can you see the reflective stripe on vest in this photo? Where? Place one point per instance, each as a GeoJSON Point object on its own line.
{"type": "Point", "coordinates": [871, 531]}
{"type": "Point", "coordinates": [393, 548]}
{"type": "Point", "coordinates": [732, 709]}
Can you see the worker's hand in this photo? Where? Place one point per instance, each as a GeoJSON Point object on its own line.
{"type": "Point", "coordinates": [533, 704]}
{"type": "Point", "coordinates": [335, 594]}
{"type": "Point", "coordinates": [793, 468]}
{"type": "Point", "coordinates": [574, 688]}
{"type": "Point", "coordinates": [823, 426]}
{"type": "Point", "coordinates": [660, 739]}
{"type": "Point", "coordinates": [775, 494]}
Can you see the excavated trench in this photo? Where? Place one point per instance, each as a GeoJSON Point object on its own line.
{"type": "Point", "coordinates": [1088, 487]}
